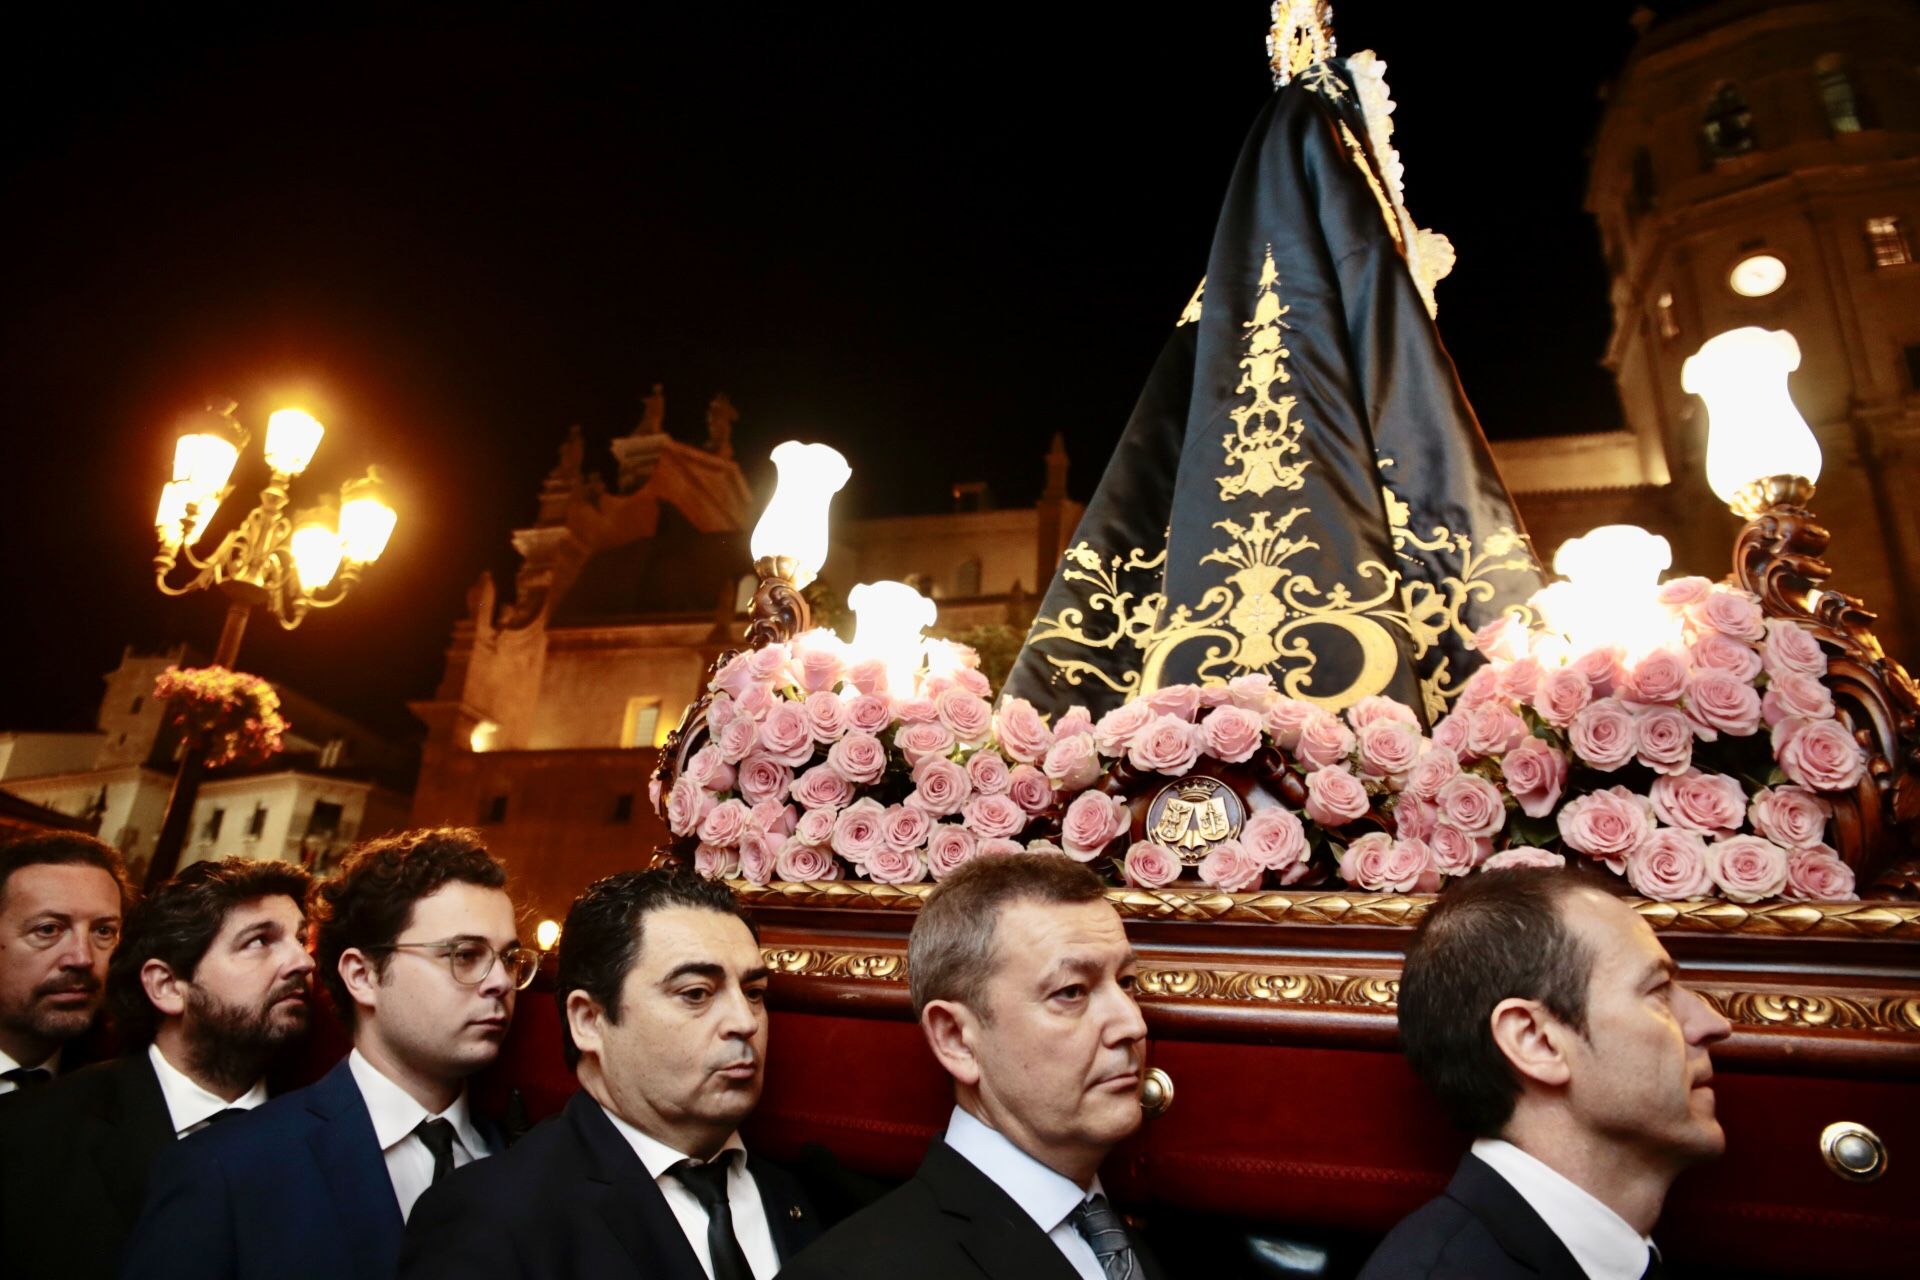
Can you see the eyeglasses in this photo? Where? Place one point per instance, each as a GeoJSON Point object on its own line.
{"type": "Point", "coordinates": [471, 960]}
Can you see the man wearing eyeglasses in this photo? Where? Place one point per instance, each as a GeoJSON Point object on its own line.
{"type": "Point", "coordinates": [417, 945]}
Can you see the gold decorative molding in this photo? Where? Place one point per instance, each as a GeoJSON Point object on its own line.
{"type": "Point", "coordinates": [1872, 919]}
{"type": "Point", "coordinates": [814, 963]}
{"type": "Point", "coordinates": [1366, 991]}
{"type": "Point", "coordinates": [1892, 1015]}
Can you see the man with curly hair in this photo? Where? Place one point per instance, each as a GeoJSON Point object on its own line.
{"type": "Point", "coordinates": [418, 947]}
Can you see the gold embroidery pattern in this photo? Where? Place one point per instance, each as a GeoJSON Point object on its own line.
{"type": "Point", "coordinates": [1190, 314]}
{"type": "Point", "coordinates": [1262, 452]}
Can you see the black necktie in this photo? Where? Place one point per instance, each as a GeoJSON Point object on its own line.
{"type": "Point", "coordinates": [708, 1183]}
{"type": "Point", "coordinates": [437, 1137]}
{"type": "Point", "coordinates": [1103, 1230]}
{"type": "Point", "coordinates": [1655, 1270]}
{"type": "Point", "coordinates": [28, 1077]}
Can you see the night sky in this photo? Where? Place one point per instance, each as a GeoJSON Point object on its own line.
{"type": "Point", "coordinates": [929, 235]}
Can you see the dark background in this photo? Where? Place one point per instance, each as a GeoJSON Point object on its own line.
{"type": "Point", "coordinates": [930, 235]}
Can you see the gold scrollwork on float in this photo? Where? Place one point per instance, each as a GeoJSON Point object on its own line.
{"type": "Point", "coordinates": [1895, 1015]}
{"type": "Point", "coordinates": [1255, 987]}
{"type": "Point", "coordinates": [1261, 452]}
{"type": "Point", "coordinates": [810, 963]}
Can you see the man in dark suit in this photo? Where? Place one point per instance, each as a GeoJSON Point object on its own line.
{"type": "Point", "coordinates": [1547, 1018]}
{"type": "Point", "coordinates": [1023, 979]}
{"type": "Point", "coordinates": [211, 978]}
{"type": "Point", "coordinates": [417, 944]}
{"type": "Point", "coordinates": [62, 896]}
{"type": "Point", "coordinates": [662, 995]}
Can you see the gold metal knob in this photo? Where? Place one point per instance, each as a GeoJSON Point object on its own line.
{"type": "Point", "coordinates": [1156, 1093]}
{"type": "Point", "coordinates": [1853, 1151]}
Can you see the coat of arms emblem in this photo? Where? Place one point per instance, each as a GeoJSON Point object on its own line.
{"type": "Point", "coordinates": [1192, 815]}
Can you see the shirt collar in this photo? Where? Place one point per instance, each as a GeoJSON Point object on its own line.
{"type": "Point", "coordinates": [51, 1066]}
{"type": "Point", "coordinates": [656, 1155]}
{"type": "Point", "coordinates": [187, 1102]}
{"type": "Point", "coordinates": [1600, 1240]}
{"type": "Point", "coordinates": [1047, 1195]}
{"type": "Point", "coordinates": [396, 1114]}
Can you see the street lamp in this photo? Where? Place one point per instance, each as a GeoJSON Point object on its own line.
{"type": "Point", "coordinates": [291, 565]}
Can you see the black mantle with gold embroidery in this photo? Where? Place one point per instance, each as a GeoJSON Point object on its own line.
{"type": "Point", "coordinates": [1302, 489]}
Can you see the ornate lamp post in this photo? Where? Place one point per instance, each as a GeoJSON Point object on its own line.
{"type": "Point", "coordinates": [291, 564]}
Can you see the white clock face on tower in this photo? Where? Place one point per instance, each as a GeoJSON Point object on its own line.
{"type": "Point", "coordinates": [1757, 276]}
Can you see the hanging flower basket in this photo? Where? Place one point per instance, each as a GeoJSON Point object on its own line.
{"type": "Point", "coordinates": [235, 717]}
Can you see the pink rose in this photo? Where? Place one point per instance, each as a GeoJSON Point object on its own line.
{"type": "Point", "coordinates": [1663, 740]}
{"type": "Point", "coordinates": [1670, 864]}
{"type": "Point", "coordinates": [939, 786]}
{"type": "Point", "coordinates": [755, 701]}
{"type": "Point", "coordinates": [758, 851]}
{"type": "Point", "coordinates": [1180, 700]}
{"type": "Point", "coordinates": [1075, 720]}
{"type": "Point", "coordinates": [1414, 818]}
{"type": "Point", "coordinates": [1335, 797]}
{"type": "Point", "coordinates": [1045, 849]}
{"type": "Point", "coordinates": [822, 787]}
{"type": "Point", "coordinates": [786, 734]}
{"type": "Point", "coordinates": [970, 679]}
{"type": "Point", "coordinates": [1287, 718]}
{"type": "Point", "coordinates": [1747, 868]}
{"type": "Point", "coordinates": [1231, 734]}
{"type": "Point", "coordinates": [1494, 728]}
{"type": "Point", "coordinates": [1165, 744]}
{"type": "Point", "coordinates": [770, 664]}
{"type": "Point", "coordinates": [1715, 652]}
{"type": "Point", "coordinates": [1451, 733]}
{"type": "Point", "coordinates": [1114, 733]}
{"type": "Point", "coordinates": [869, 676]}
{"type": "Point", "coordinates": [1482, 687]}
{"type": "Point", "coordinates": [1708, 804]}
{"type": "Point", "coordinates": [916, 711]}
{"type": "Point", "coordinates": [819, 664]}
{"type": "Point", "coordinates": [716, 862]}
{"type": "Point", "coordinates": [826, 716]}
{"type": "Point", "coordinates": [995, 847]}
{"type": "Point", "coordinates": [734, 678]}
{"type": "Point", "coordinates": [1605, 668]}
{"type": "Point", "coordinates": [905, 828]}
{"type": "Point", "coordinates": [1378, 862]}
{"type": "Point", "coordinates": [1661, 676]}
{"type": "Point", "coordinates": [761, 777]}
{"type": "Point", "coordinates": [1389, 748]}
{"type": "Point", "coordinates": [988, 773]}
{"type": "Point", "coordinates": [1518, 680]}
{"type": "Point", "coordinates": [1729, 611]}
{"type": "Point", "coordinates": [1536, 774]}
{"type": "Point", "coordinates": [1789, 695]}
{"type": "Point", "coordinates": [772, 817]}
{"type": "Point", "coordinates": [1603, 734]}
{"type": "Point", "coordinates": [1092, 822]}
{"type": "Point", "coordinates": [1455, 852]}
{"type": "Point", "coordinates": [948, 848]}
{"type": "Point", "coordinates": [1214, 695]}
{"type": "Point", "coordinates": [1503, 639]}
{"type": "Point", "coordinates": [1472, 804]}
{"type": "Point", "coordinates": [896, 866]}
{"type": "Point", "coordinates": [1275, 839]}
{"type": "Point", "coordinates": [1790, 649]}
{"type": "Point", "coordinates": [1790, 816]}
{"type": "Point", "coordinates": [706, 767]}
{"type": "Point", "coordinates": [687, 806]}
{"type": "Point", "coordinates": [1818, 875]}
{"type": "Point", "coordinates": [1819, 754]}
{"type": "Point", "coordinates": [1231, 868]}
{"type": "Point", "coordinates": [799, 861]}
{"type": "Point", "coordinates": [737, 741]}
{"type": "Point", "coordinates": [1148, 866]}
{"type": "Point", "coordinates": [1431, 771]}
{"type": "Point", "coordinates": [724, 823]}
{"type": "Point", "coordinates": [1021, 732]}
{"type": "Point", "coordinates": [967, 714]}
{"type": "Point", "coordinates": [816, 826]}
{"type": "Point", "coordinates": [721, 712]}
{"type": "Point", "coordinates": [1681, 592]}
{"type": "Point", "coordinates": [1607, 825]}
{"type": "Point", "coordinates": [1073, 762]}
{"type": "Point", "coordinates": [859, 758]}
{"type": "Point", "coordinates": [923, 740]}
{"type": "Point", "coordinates": [859, 832]}
{"type": "Point", "coordinates": [869, 713]}
{"type": "Point", "coordinates": [1029, 788]}
{"type": "Point", "coordinates": [1515, 859]}
{"type": "Point", "coordinates": [1324, 742]}
{"type": "Point", "coordinates": [1374, 709]}
{"type": "Point", "coordinates": [1562, 694]}
{"type": "Point", "coordinates": [1718, 703]}
{"type": "Point", "coordinates": [994, 816]}
{"type": "Point", "coordinates": [1252, 692]}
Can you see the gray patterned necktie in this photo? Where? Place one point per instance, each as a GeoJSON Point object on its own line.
{"type": "Point", "coordinates": [1101, 1226]}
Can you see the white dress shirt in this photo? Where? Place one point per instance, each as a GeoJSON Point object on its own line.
{"type": "Point", "coordinates": [1598, 1238]}
{"type": "Point", "coordinates": [191, 1107]}
{"type": "Point", "coordinates": [396, 1115]}
{"type": "Point", "coordinates": [1047, 1196]}
{"type": "Point", "coordinates": [743, 1200]}
{"type": "Point", "coordinates": [51, 1066]}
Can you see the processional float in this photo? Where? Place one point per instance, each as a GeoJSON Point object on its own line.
{"type": "Point", "coordinates": [1299, 667]}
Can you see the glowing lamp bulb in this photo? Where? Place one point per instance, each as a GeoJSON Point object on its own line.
{"type": "Point", "coordinates": [1609, 598]}
{"type": "Point", "coordinates": [794, 525]}
{"type": "Point", "coordinates": [175, 498]}
{"type": "Point", "coordinates": [293, 435]}
{"type": "Point", "coordinates": [315, 545]}
{"type": "Point", "coordinates": [366, 518]}
{"type": "Point", "coordinates": [889, 619]}
{"type": "Point", "coordinates": [1753, 429]}
{"type": "Point", "coordinates": [203, 462]}
{"type": "Point", "coordinates": [546, 933]}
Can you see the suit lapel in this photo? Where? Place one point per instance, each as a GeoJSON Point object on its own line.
{"type": "Point", "coordinates": [994, 1232]}
{"type": "Point", "coordinates": [630, 1205]}
{"type": "Point", "coordinates": [355, 1173]}
{"type": "Point", "coordinates": [1510, 1220]}
{"type": "Point", "coordinates": [790, 1222]}
{"type": "Point", "coordinates": [126, 1134]}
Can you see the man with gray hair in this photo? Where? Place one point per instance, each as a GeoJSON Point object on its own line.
{"type": "Point", "coordinates": [1023, 981]}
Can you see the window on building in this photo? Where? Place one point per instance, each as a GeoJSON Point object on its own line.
{"type": "Point", "coordinates": [743, 592]}
{"type": "Point", "coordinates": [1913, 366]}
{"type": "Point", "coordinates": [637, 727]}
{"type": "Point", "coordinates": [257, 826]}
{"type": "Point", "coordinates": [1669, 324]}
{"type": "Point", "coordinates": [623, 807]}
{"type": "Point", "coordinates": [972, 495]}
{"type": "Point", "coordinates": [493, 809]}
{"type": "Point", "coordinates": [212, 829]}
{"type": "Point", "coordinates": [326, 818]}
{"type": "Point", "coordinates": [138, 702]}
{"type": "Point", "coordinates": [1837, 94]}
{"type": "Point", "coordinates": [333, 755]}
{"type": "Point", "coordinates": [966, 579]}
{"type": "Point", "coordinates": [1887, 239]}
{"type": "Point", "coordinates": [1727, 127]}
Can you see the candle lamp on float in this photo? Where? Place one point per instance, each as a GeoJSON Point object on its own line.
{"type": "Point", "coordinates": [1762, 461]}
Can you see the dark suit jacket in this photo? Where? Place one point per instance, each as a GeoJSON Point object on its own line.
{"type": "Point", "coordinates": [571, 1201]}
{"type": "Point", "coordinates": [74, 1157]}
{"type": "Point", "coordinates": [296, 1190]}
{"type": "Point", "coordinates": [947, 1222]}
{"type": "Point", "coordinates": [1479, 1229]}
